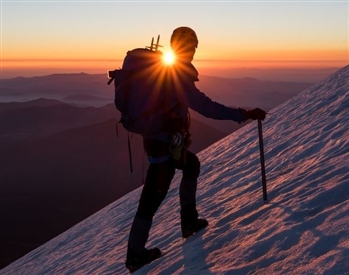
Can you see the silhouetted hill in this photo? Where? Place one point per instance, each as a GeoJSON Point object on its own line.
{"type": "Point", "coordinates": [52, 183]}
{"type": "Point", "coordinates": [48, 184]}
{"type": "Point", "coordinates": [42, 102]}
{"type": "Point", "coordinates": [84, 99]}
{"type": "Point", "coordinates": [44, 120]}
{"type": "Point", "coordinates": [56, 86]}
{"type": "Point", "coordinates": [57, 83]}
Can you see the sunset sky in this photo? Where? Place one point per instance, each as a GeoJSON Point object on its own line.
{"type": "Point", "coordinates": [43, 37]}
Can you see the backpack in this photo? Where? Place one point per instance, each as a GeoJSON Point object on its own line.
{"type": "Point", "coordinates": [138, 93]}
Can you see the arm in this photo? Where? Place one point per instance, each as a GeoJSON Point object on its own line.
{"type": "Point", "coordinates": [201, 103]}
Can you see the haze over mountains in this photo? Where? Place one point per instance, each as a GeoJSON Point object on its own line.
{"type": "Point", "coordinates": [61, 160]}
{"type": "Point", "coordinates": [91, 90]}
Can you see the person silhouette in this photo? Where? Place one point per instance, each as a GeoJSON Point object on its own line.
{"type": "Point", "coordinates": [167, 150]}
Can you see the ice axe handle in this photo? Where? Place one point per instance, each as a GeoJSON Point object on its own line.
{"type": "Point", "coordinates": [261, 149]}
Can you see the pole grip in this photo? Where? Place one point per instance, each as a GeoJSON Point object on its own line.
{"type": "Point", "coordinates": [261, 149]}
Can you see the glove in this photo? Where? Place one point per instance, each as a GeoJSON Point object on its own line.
{"type": "Point", "coordinates": [254, 114]}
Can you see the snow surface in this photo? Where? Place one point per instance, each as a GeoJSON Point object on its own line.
{"type": "Point", "coordinates": [304, 229]}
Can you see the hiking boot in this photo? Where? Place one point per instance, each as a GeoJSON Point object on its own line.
{"type": "Point", "coordinates": [191, 229]}
{"type": "Point", "coordinates": [136, 261]}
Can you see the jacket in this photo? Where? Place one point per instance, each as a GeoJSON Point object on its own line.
{"type": "Point", "coordinates": [182, 94]}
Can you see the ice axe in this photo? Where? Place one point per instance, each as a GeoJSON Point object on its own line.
{"type": "Point", "coordinates": [261, 149]}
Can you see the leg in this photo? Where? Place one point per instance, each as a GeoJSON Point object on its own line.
{"type": "Point", "coordinates": [159, 177]}
{"type": "Point", "coordinates": [189, 216]}
{"type": "Point", "coordinates": [188, 186]}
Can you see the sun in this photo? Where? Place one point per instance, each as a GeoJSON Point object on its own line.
{"type": "Point", "coordinates": [169, 58]}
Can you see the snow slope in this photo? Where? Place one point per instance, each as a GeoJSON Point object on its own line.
{"type": "Point", "coordinates": [304, 229]}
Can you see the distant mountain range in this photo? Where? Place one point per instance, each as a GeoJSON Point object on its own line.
{"type": "Point", "coordinates": [61, 163]}
{"type": "Point", "coordinates": [92, 90]}
{"type": "Point", "coordinates": [61, 160]}
{"type": "Point", "coordinates": [80, 88]}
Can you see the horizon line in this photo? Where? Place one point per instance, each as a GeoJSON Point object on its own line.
{"type": "Point", "coordinates": [195, 60]}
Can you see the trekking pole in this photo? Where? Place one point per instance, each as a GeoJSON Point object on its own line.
{"type": "Point", "coordinates": [261, 149]}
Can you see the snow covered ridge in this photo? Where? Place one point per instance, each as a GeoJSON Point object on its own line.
{"type": "Point", "coordinates": [304, 229]}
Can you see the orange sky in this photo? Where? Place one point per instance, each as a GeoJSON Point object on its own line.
{"type": "Point", "coordinates": [94, 37]}
{"type": "Point", "coordinates": [301, 59]}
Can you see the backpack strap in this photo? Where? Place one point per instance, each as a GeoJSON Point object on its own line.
{"type": "Point", "coordinates": [129, 151]}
